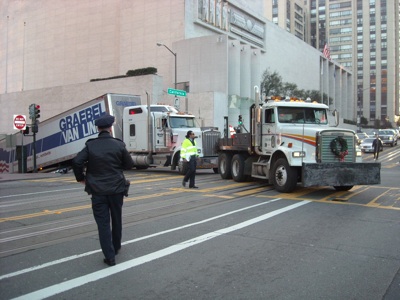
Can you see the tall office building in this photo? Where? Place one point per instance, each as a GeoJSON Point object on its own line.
{"type": "Point", "coordinates": [290, 15]}
{"type": "Point", "coordinates": [363, 36]}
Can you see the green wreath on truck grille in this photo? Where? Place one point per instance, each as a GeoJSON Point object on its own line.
{"type": "Point", "coordinates": [339, 147]}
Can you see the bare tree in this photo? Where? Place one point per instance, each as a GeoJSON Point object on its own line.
{"type": "Point", "coordinates": [271, 83]}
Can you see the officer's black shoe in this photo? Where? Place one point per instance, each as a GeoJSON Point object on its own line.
{"type": "Point", "coordinates": [110, 262]}
{"type": "Point", "coordinates": [193, 187]}
{"type": "Point", "coordinates": [183, 183]}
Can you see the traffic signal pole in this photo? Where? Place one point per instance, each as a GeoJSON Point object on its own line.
{"type": "Point", "coordinates": [34, 115]}
{"type": "Point", "coordinates": [34, 153]}
{"type": "Point", "coordinates": [22, 153]}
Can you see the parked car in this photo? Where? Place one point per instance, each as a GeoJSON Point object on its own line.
{"type": "Point", "coordinates": [388, 137]}
{"type": "Point", "coordinates": [370, 131]}
{"type": "Point", "coordinates": [366, 145]}
{"type": "Point", "coordinates": [361, 136]}
{"type": "Point", "coordinates": [397, 133]}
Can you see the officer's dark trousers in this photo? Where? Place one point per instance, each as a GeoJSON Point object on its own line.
{"type": "Point", "coordinates": [376, 153]}
{"type": "Point", "coordinates": [191, 173]}
{"type": "Point", "coordinates": [103, 207]}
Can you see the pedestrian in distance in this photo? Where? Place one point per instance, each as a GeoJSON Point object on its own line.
{"type": "Point", "coordinates": [189, 156]}
{"type": "Point", "coordinates": [377, 145]}
{"type": "Point", "coordinates": [105, 158]}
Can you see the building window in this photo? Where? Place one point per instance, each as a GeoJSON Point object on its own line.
{"type": "Point", "coordinates": [339, 14]}
{"type": "Point", "coordinates": [298, 8]}
{"type": "Point", "coordinates": [340, 5]}
{"type": "Point", "coordinates": [298, 17]}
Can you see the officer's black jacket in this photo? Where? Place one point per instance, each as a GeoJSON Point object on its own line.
{"type": "Point", "coordinates": [105, 159]}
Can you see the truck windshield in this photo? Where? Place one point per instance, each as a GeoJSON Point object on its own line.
{"type": "Point", "coordinates": [181, 122]}
{"type": "Point", "coordinates": [302, 115]}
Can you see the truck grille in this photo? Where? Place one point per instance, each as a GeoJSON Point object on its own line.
{"type": "Point", "coordinates": [210, 142]}
{"type": "Point", "coordinates": [325, 153]}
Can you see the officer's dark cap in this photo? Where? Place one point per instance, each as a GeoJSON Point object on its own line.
{"type": "Point", "coordinates": [105, 121]}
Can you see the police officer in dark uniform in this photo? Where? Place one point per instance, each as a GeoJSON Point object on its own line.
{"type": "Point", "coordinates": [105, 158]}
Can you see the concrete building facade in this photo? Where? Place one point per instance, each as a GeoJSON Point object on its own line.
{"type": "Point", "coordinates": [221, 49]}
{"type": "Point", "coordinates": [363, 36]}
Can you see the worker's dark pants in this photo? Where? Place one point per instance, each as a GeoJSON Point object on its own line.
{"type": "Point", "coordinates": [110, 237]}
{"type": "Point", "coordinates": [191, 173]}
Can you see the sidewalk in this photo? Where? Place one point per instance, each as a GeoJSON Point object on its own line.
{"type": "Point", "coordinates": [26, 176]}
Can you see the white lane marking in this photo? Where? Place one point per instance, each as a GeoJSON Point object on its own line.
{"type": "Point", "coordinates": [44, 192]}
{"type": "Point", "coordinates": [62, 260]}
{"type": "Point", "coordinates": [79, 281]}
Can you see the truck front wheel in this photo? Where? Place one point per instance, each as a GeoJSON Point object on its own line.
{"type": "Point", "coordinates": [224, 165]}
{"type": "Point", "coordinates": [238, 168]}
{"type": "Point", "coordinates": [284, 177]}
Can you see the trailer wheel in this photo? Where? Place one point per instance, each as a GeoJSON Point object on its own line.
{"type": "Point", "coordinates": [343, 187]}
{"type": "Point", "coordinates": [224, 165]}
{"type": "Point", "coordinates": [182, 167]}
{"type": "Point", "coordinates": [284, 177]}
{"type": "Point", "coordinates": [238, 168]}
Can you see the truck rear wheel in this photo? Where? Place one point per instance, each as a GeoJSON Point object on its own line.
{"type": "Point", "coordinates": [224, 165]}
{"type": "Point", "coordinates": [284, 177]}
{"type": "Point", "coordinates": [238, 168]}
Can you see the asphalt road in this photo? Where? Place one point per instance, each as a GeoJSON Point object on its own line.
{"type": "Point", "coordinates": [226, 240]}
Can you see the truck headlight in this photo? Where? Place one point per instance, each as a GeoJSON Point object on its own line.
{"type": "Point", "coordinates": [298, 154]}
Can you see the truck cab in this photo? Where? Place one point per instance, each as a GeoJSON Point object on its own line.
{"type": "Point", "coordinates": [153, 135]}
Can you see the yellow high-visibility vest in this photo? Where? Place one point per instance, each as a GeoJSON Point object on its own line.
{"type": "Point", "coordinates": [188, 149]}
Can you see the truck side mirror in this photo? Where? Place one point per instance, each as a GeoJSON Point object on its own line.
{"type": "Point", "coordinates": [335, 114]}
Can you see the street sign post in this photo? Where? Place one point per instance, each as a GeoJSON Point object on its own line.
{"type": "Point", "coordinates": [178, 93]}
{"type": "Point", "coordinates": [176, 103]}
{"type": "Point", "coordinates": [19, 122]}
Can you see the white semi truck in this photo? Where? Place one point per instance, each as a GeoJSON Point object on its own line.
{"type": "Point", "coordinates": [291, 143]}
{"type": "Point", "coordinates": [152, 133]}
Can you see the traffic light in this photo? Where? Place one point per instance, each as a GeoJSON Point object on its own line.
{"type": "Point", "coordinates": [26, 131]}
{"type": "Point", "coordinates": [32, 111]}
{"type": "Point", "coordinates": [37, 112]}
{"type": "Point", "coordinates": [35, 128]}
{"type": "Point", "coordinates": [240, 120]}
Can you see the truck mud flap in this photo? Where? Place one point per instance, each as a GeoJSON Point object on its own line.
{"type": "Point", "coordinates": [341, 174]}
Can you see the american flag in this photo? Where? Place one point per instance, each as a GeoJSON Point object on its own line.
{"type": "Point", "coordinates": [326, 52]}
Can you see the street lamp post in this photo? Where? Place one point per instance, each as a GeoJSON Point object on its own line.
{"type": "Point", "coordinates": [174, 54]}
{"type": "Point", "coordinates": [359, 109]}
{"type": "Point", "coordinates": [359, 98]}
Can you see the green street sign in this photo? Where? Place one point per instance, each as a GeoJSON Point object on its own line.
{"type": "Point", "coordinates": [179, 93]}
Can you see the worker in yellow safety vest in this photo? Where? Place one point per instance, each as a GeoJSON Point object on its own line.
{"type": "Point", "coordinates": [189, 156]}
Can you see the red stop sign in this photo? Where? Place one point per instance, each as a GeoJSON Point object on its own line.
{"type": "Point", "coordinates": [19, 122]}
